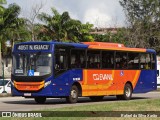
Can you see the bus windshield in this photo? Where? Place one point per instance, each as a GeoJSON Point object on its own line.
{"type": "Point", "coordinates": [32, 64]}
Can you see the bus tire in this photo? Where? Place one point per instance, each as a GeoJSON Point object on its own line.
{"type": "Point", "coordinates": [96, 98]}
{"type": "Point", "coordinates": [127, 93]}
{"type": "Point", "coordinates": [73, 97]}
{"type": "Point", "coordinates": [40, 100]}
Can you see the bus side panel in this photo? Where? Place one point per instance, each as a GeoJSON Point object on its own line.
{"type": "Point", "coordinates": [107, 82]}
{"type": "Point", "coordinates": [62, 84]}
{"type": "Point", "coordinates": [147, 81]}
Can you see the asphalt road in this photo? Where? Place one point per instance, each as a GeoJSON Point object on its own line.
{"type": "Point", "coordinates": [28, 104]}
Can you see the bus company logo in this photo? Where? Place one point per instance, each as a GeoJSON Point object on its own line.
{"type": "Point", "coordinates": [102, 77]}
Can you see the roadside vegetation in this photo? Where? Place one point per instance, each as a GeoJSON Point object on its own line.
{"type": "Point", "coordinates": [94, 110]}
{"type": "Point", "coordinates": [141, 30]}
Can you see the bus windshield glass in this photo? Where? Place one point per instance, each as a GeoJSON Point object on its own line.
{"type": "Point", "coordinates": [32, 64]}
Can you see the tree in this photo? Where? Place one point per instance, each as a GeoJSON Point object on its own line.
{"type": "Point", "coordinates": [13, 28]}
{"type": "Point", "coordinates": [2, 10]}
{"type": "Point", "coordinates": [143, 19]}
{"type": "Point", "coordinates": [56, 24]}
{"type": "Point", "coordinates": [1, 22]}
{"type": "Point", "coordinates": [32, 26]}
{"type": "Point", "coordinates": [114, 35]}
{"type": "Point", "coordinates": [62, 28]}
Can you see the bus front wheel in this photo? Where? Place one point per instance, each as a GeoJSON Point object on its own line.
{"type": "Point", "coordinates": [127, 93]}
{"type": "Point", "coordinates": [40, 100]}
{"type": "Point", "coordinates": [73, 97]}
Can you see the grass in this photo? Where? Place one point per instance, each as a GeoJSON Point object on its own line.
{"type": "Point", "coordinates": [93, 110]}
{"type": "Point", "coordinates": [131, 105]}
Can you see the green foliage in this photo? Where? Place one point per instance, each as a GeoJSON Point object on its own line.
{"type": "Point", "coordinates": [13, 27]}
{"type": "Point", "coordinates": [143, 18]}
{"type": "Point", "coordinates": [62, 28]}
{"type": "Point", "coordinates": [2, 10]}
{"type": "Point", "coordinates": [117, 37]}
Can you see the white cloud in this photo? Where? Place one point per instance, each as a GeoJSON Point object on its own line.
{"type": "Point", "coordinates": [96, 17]}
{"type": "Point", "coordinates": [105, 13]}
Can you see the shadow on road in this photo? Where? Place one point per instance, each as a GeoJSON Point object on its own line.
{"type": "Point", "coordinates": [56, 101]}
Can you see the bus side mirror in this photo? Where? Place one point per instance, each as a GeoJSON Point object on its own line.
{"type": "Point", "coordinates": [157, 73]}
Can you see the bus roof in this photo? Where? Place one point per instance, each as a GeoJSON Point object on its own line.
{"type": "Point", "coordinates": [115, 46]}
{"type": "Point", "coordinates": [94, 45]}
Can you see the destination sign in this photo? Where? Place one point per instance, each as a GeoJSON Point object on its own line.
{"type": "Point", "coordinates": [33, 47]}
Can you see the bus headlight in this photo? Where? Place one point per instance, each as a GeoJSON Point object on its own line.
{"type": "Point", "coordinates": [47, 83]}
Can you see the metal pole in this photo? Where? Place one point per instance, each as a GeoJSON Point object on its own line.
{"type": "Point", "coordinates": [0, 60]}
{"type": "Point", "coordinates": [3, 78]}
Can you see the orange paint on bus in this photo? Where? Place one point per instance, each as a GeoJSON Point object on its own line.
{"type": "Point", "coordinates": [29, 86]}
{"type": "Point", "coordinates": [107, 82]}
{"type": "Point", "coordinates": [112, 46]}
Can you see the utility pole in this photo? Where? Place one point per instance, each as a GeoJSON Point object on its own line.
{"type": "Point", "coordinates": [4, 91]}
{"type": "Point", "coordinates": [0, 60]}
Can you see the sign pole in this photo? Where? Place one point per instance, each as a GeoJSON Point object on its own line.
{"type": "Point", "coordinates": [3, 78]}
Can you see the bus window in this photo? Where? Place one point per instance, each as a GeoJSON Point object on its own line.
{"type": "Point", "coordinates": [39, 62]}
{"type": "Point", "coordinates": [145, 61]}
{"type": "Point", "coordinates": [108, 59]}
{"type": "Point", "coordinates": [78, 58]}
{"type": "Point", "coordinates": [61, 59]}
{"type": "Point", "coordinates": [93, 59]}
{"type": "Point", "coordinates": [153, 61]}
{"type": "Point", "coordinates": [133, 61]}
{"type": "Point", "coordinates": [60, 62]}
{"type": "Point", "coordinates": [121, 60]}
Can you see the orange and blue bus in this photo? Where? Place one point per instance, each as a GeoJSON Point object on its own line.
{"type": "Point", "coordinates": [91, 69]}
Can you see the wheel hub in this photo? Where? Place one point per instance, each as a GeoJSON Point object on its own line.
{"type": "Point", "coordinates": [128, 92]}
{"type": "Point", "coordinates": [73, 94]}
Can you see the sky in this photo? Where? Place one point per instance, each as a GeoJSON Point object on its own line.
{"type": "Point", "coordinates": [101, 13]}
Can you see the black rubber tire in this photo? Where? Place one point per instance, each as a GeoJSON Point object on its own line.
{"type": "Point", "coordinates": [127, 94]}
{"type": "Point", "coordinates": [96, 98]}
{"type": "Point", "coordinates": [73, 97]}
{"type": "Point", "coordinates": [40, 100]}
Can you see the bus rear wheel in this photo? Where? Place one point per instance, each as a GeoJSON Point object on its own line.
{"type": "Point", "coordinates": [127, 93]}
{"type": "Point", "coordinates": [40, 100]}
{"type": "Point", "coordinates": [96, 98]}
{"type": "Point", "coordinates": [73, 97]}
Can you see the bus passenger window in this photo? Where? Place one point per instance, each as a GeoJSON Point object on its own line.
{"type": "Point", "coordinates": [153, 61]}
{"type": "Point", "coordinates": [77, 58]}
{"type": "Point", "coordinates": [121, 60]}
{"type": "Point", "coordinates": [108, 59]}
{"type": "Point", "coordinates": [145, 61]}
{"type": "Point", "coordinates": [133, 60]}
{"type": "Point", "coordinates": [60, 61]}
{"type": "Point", "coordinates": [93, 59]}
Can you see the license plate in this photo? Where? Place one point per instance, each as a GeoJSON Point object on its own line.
{"type": "Point", "coordinates": [27, 94]}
